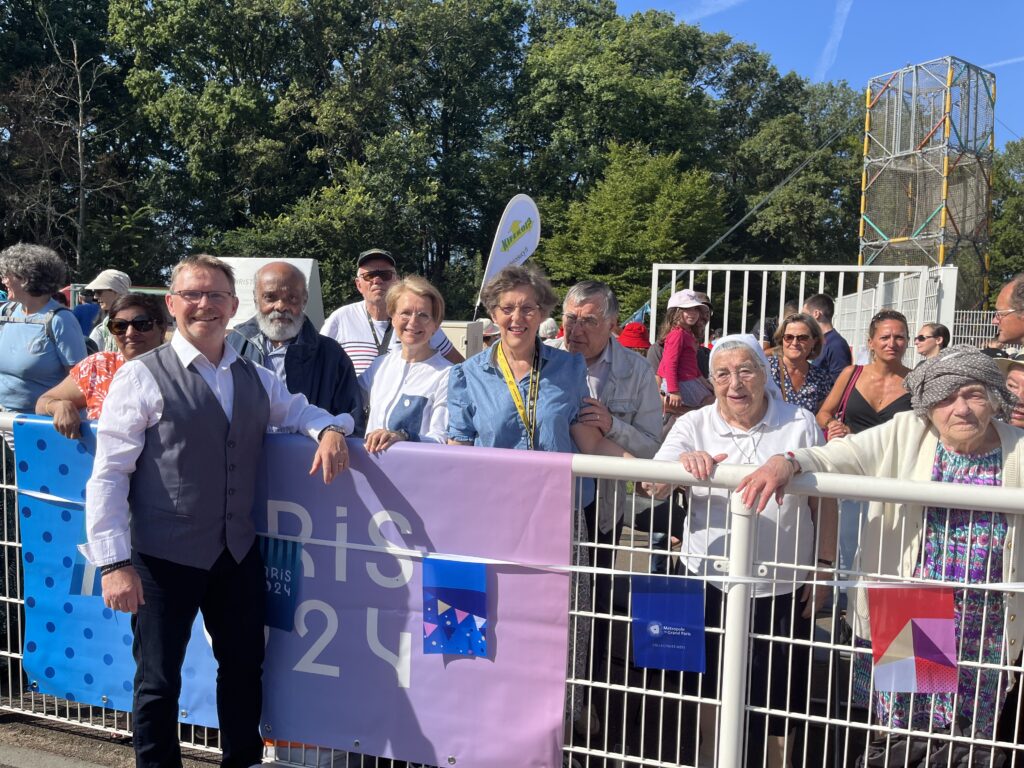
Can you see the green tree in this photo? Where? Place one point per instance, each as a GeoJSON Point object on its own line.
{"type": "Point", "coordinates": [1007, 243]}
{"type": "Point", "coordinates": [644, 209]}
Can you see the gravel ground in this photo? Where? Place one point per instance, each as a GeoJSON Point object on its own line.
{"type": "Point", "coordinates": [28, 742]}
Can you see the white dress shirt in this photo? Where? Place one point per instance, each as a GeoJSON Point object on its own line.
{"type": "Point", "coordinates": [784, 533]}
{"type": "Point", "coordinates": [134, 403]}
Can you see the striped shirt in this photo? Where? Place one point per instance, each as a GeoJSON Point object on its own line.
{"type": "Point", "coordinates": [350, 326]}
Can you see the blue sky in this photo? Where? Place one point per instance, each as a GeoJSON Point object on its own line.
{"type": "Point", "coordinates": [854, 40]}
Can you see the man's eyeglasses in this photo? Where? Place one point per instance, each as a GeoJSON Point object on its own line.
{"type": "Point", "coordinates": [799, 338]}
{"type": "Point", "coordinates": [590, 322]}
{"type": "Point", "coordinates": [386, 275]}
{"type": "Point", "coordinates": [194, 297]}
{"type": "Point", "coordinates": [140, 324]}
{"type": "Point", "coordinates": [922, 337]}
{"type": "Point", "coordinates": [999, 314]}
{"type": "Point", "coordinates": [526, 310]}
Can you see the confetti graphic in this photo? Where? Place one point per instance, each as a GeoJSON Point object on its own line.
{"type": "Point", "coordinates": [454, 607]}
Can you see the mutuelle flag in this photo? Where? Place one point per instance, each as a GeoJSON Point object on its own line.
{"type": "Point", "coordinates": [517, 237]}
{"type": "Point", "coordinates": [913, 639]}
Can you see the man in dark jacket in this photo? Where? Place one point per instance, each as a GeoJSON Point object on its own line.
{"type": "Point", "coordinates": [280, 337]}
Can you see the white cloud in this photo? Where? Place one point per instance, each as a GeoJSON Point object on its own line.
{"type": "Point", "coordinates": [828, 53]}
{"type": "Point", "coordinates": [704, 8]}
{"type": "Point", "coordinates": [1003, 63]}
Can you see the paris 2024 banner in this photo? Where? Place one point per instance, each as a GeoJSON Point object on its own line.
{"type": "Point", "coordinates": [418, 606]}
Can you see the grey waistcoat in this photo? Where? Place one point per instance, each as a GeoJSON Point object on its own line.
{"type": "Point", "coordinates": [192, 490]}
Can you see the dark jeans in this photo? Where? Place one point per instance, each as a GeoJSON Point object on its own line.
{"type": "Point", "coordinates": [232, 598]}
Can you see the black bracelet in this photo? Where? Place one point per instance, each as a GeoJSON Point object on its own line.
{"type": "Point", "coordinates": [826, 563]}
{"type": "Point", "coordinates": [111, 567]}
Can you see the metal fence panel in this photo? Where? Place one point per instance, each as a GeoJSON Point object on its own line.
{"type": "Point", "coordinates": [631, 716]}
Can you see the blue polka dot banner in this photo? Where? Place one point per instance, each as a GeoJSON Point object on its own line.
{"type": "Point", "coordinates": [75, 647]}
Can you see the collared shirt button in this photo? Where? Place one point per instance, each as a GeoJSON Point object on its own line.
{"type": "Point", "coordinates": [231, 443]}
{"type": "Point", "coordinates": [231, 467]}
{"type": "Point", "coordinates": [231, 491]}
{"type": "Point", "coordinates": [229, 515]}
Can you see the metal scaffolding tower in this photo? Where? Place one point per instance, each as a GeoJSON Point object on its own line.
{"type": "Point", "coordinates": [927, 178]}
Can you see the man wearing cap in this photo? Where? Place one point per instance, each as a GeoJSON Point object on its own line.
{"type": "Point", "coordinates": [281, 337]}
{"type": "Point", "coordinates": [363, 328]}
{"type": "Point", "coordinates": [626, 407]}
{"type": "Point", "coordinates": [105, 288]}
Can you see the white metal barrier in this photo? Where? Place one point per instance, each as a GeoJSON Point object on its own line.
{"type": "Point", "coordinates": [744, 295]}
{"type": "Point", "coordinates": [639, 716]}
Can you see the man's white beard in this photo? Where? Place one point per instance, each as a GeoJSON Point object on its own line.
{"type": "Point", "coordinates": [279, 326]}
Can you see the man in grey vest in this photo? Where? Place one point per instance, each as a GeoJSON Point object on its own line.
{"type": "Point", "coordinates": [168, 510]}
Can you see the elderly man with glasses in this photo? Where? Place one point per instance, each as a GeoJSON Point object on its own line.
{"type": "Point", "coordinates": [1009, 315]}
{"type": "Point", "coordinates": [625, 405]}
{"type": "Point", "coordinates": [363, 328]}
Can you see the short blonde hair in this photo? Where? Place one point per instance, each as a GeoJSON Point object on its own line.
{"type": "Point", "coordinates": [422, 288]}
{"type": "Point", "coordinates": [204, 261]}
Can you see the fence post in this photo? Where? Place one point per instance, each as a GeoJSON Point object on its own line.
{"type": "Point", "coordinates": [731, 750]}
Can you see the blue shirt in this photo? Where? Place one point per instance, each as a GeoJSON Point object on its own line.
{"type": "Point", "coordinates": [481, 410]}
{"type": "Point", "coordinates": [30, 363]}
{"type": "Point", "coordinates": [835, 355]}
{"type": "Point", "coordinates": [87, 315]}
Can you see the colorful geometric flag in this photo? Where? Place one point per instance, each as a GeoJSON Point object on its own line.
{"type": "Point", "coordinates": [454, 607]}
{"type": "Point", "coordinates": [913, 639]}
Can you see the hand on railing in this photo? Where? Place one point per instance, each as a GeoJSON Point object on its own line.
{"type": "Point", "coordinates": [701, 464]}
{"type": "Point", "coordinates": [768, 481]}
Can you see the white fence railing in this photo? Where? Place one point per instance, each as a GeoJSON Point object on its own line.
{"type": "Point", "coordinates": [634, 716]}
{"type": "Point", "coordinates": [744, 295]}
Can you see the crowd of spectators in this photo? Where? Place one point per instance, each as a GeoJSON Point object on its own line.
{"type": "Point", "coordinates": [787, 398]}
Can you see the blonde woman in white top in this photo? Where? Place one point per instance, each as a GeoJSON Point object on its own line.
{"type": "Point", "coordinates": [408, 388]}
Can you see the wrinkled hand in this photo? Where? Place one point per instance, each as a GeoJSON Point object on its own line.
{"type": "Point", "coordinates": [122, 590]}
{"type": "Point", "coordinates": [766, 481]}
{"type": "Point", "coordinates": [674, 400]}
{"type": "Point", "coordinates": [66, 419]}
{"type": "Point", "coordinates": [331, 456]}
{"type": "Point", "coordinates": [813, 596]}
{"type": "Point", "coordinates": [656, 490]}
{"type": "Point", "coordinates": [380, 440]}
{"type": "Point", "coordinates": [836, 429]}
{"type": "Point", "coordinates": [701, 464]}
{"type": "Point", "coordinates": [596, 414]}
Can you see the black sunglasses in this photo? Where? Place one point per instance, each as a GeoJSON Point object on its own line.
{"type": "Point", "coordinates": [140, 324]}
{"type": "Point", "coordinates": [922, 338]}
{"type": "Point", "coordinates": [383, 274]}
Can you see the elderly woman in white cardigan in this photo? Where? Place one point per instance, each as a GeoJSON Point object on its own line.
{"type": "Point", "coordinates": [952, 436]}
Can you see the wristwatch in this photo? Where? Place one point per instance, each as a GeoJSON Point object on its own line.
{"type": "Point", "coordinates": [330, 428]}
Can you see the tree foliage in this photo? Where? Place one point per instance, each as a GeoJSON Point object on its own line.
{"type": "Point", "coordinates": [318, 128]}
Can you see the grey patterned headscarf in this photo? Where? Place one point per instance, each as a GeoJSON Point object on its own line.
{"type": "Point", "coordinates": [939, 377]}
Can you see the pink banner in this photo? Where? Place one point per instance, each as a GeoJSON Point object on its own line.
{"type": "Point", "coordinates": [352, 674]}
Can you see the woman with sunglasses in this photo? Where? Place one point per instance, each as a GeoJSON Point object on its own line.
{"type": "Point", "coordinates": [799, 340]}
{"type": "Point", "coordinates": [930, 340]}
{"type": "Point", "coordinates": [137, 323]}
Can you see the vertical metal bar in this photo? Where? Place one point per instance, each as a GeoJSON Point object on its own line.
{"type": "Point", "coordinates": [737, 635]}
{"type": "Point", "coordinates": [651, 334]}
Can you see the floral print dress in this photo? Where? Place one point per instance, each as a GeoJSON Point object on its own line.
{"type": "Point", "coordinates": [966, 547]}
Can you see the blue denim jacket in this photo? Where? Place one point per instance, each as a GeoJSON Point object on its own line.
{"type": "Point", "coordinates": [481, 411]}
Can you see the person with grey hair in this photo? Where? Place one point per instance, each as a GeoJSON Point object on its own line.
{"type": "Point", "coordinates": [1009, 315]}
{"type": "Point", "coordinates": [525, 395]}
{"type": "Point", "coordinates": [282, 338]}
{"type": "Point", "coordinates": [794, 544]}
{"type": "Point", "coordinates": [625, 406]}
{"type": "Point", "coordinates": [953, 435]}
{"type": "Point", "coordinates": [40, 339]}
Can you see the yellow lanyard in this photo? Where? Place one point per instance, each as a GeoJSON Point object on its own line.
{"type": "Point", "coordinates": [527, 410]}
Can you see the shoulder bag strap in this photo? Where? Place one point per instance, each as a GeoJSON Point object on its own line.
{"type": "Point", "coordinates": [841, 412]}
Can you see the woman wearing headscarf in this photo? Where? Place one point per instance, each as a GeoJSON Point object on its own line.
{"type": "Point", "coordinates": [953, 435]}
{"type": "Point", "coordinates": [748, 422]}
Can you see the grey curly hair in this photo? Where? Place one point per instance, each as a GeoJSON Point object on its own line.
{"type": "Point", "coordinates": [40, 267]}
{"type": "Point", "coordinates": [514, 277]}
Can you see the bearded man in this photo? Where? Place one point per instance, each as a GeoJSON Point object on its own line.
{"type": "Point", "coordinates": [280, 337]}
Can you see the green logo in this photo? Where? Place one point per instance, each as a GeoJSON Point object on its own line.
{"type": "Point", "coordinates": [517, 232]}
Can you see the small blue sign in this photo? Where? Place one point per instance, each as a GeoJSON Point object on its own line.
{"type": "Point", "coordinates": [282, 565]}
{"type": "Point", "coordinates": [668, 623]}
{"type": "Point", "coordinates": [454, 607]}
